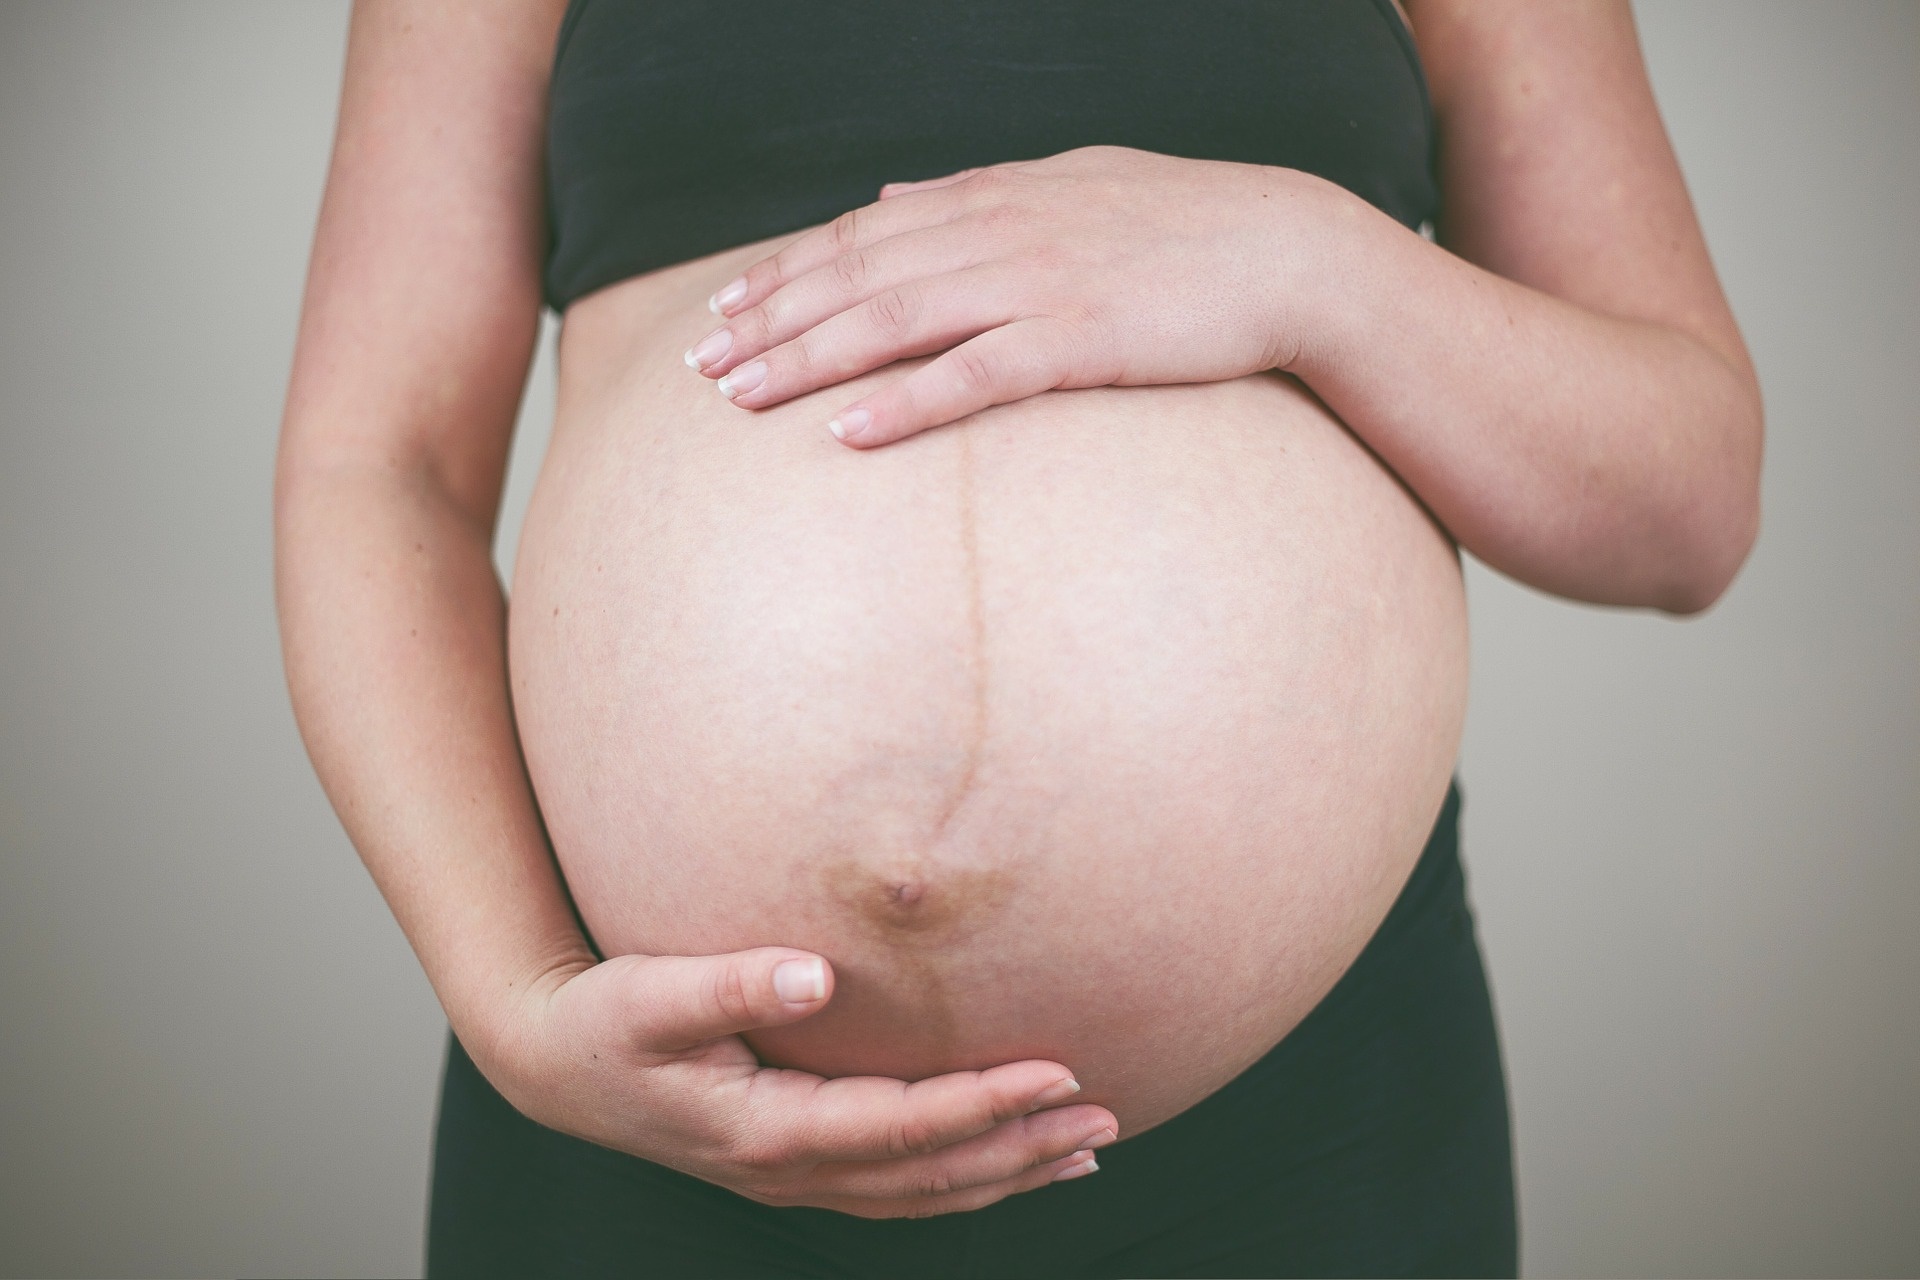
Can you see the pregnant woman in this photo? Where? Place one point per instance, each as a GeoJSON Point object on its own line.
{"type": "Point", "coordinates": [990, 720]}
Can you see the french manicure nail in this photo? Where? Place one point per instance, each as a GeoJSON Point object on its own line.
{"type": "Point", "coordinates": [743, 379]}
{"type": "Point", "coordinates": [728, 297]}
{"type": "Point", "coordinates": [1054, 1092]}
{"type": "Point", "coordinates": [852, 422]}
{"type": "Point", "coordinates": [800, 981]}
{"type": "Point", "coordinates": [1100, 1139]}
{"type": "Point", "coordinates": [1081, 1170]}
{"type": "Point", "coordinates": [709, 349]}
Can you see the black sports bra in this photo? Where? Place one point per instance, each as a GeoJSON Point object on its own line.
{"type": "Point", "coordinates": [676, 129]}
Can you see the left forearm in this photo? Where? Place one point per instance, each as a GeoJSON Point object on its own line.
{"type": "Point", "coordinates": [1605, 459]}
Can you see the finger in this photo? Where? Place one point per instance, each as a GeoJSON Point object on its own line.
{"type": "Point", "coordinates": [799, 1119]}
{"type": "Point", "coordinates": [676, 1002]}
{"type": "Point", "coordinates": [926, 184]}
{"type": "Point", "coordinates": [914, 319]}
{"type": "Point", "coordinates": [853, 230]}
{"type": "Point", "coordinates": [1001, 365]}
{"type": "Point", "coordinates": [1005, 1151]}
{"type": "Point", "coordinates": [1079, 1164]}
{"type": "Point", "coordinates": [843, 283]}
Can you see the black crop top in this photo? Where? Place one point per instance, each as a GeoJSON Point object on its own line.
{"type": "Point", "coordinates": [677, 129]}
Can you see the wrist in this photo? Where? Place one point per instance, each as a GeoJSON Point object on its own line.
{"type": "Point", "coordinates": [494, 1007]}
{"type": "Point", "coordinates": [1348, 256]}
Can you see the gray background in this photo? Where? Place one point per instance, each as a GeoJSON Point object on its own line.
{"type": "Point", "coordinates": [1695, 847]}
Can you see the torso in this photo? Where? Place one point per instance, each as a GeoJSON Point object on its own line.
{"type": "Point", "coordinates": [1101, 727]}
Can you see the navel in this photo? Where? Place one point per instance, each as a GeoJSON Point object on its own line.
{"type": "Point", "coordinates": [932, 905]}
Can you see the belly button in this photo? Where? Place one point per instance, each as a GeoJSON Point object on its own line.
{"type": "Point", "coordinates": [910, 904]}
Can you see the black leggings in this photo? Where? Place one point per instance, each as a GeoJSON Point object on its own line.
{"type": "Point", "coordinates": [1371, 1141]}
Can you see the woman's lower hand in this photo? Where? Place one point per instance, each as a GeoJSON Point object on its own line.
{"type": "Point", "coordinates": [643, 1054]}
{"type": "Point", "coordinates": [1099, 266]}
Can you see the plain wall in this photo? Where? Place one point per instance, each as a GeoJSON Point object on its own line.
{"type": "Point", "coordinates": [1694, 846]}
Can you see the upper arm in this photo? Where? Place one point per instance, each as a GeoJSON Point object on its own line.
{"type": "Point", "coordinates": [423, 293]}
{"type": "Point", "coordinates": [1555, 169]}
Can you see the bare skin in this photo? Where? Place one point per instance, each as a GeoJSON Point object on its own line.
{"type": "Point", "coordinates": [1100, 728]}
{"type": "Point", "coordinates": [1603, 441]}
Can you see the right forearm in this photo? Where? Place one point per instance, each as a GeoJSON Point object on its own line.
{"type": "Point", "coordinates": [393, 625]}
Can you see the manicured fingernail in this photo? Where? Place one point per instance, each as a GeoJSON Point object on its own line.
{"type": "Point", "coordinates": [852, 422]}
{"type": "Point", "coordinates": [800, 981]}
{"type": "Point", "coordinates": [743, 379]}
{"type": "Point", "coordinates": [1100, 1139]}
{"type": "Point", "coordinates": [709, 349]}
{"type": "Point", "coordinates": [728, 297]}
{"type": "Point", "coordinates": [1081, 1170]}
{"type": "Point", "coordinates": [1054, 1092]}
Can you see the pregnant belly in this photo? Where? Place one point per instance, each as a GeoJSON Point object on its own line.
{"type": "Point", "coordinates": [1102, 727]}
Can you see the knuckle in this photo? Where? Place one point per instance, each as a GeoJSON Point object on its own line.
{"type": "Point", "coordinates": [727, 993]}
{"type": "Point", "coordinates": [775, 1193]}
{"type": "Point", "coordinates": [853, 270]}
{"type": "Point", "coordinates": [893, 312]}
{"type": "Point", "coordinates": [1057, 349]}
{"type": "Point", "coordinates": [1073, 315]}
{"type": "Point", "coordinates": [843, 233]}
{"type": "Point", "coordinates": [918, 1137]}
{"type": "Point", "coordinates": [991, 178]}
{"type": "Point", "coordinates": [750, 330]}
{"type": "Point", "coordinates": [931, 1182]}
{"type": "Point", "coordinates": [773, 273]}
{"type": "Point", "coordinates": [800, 357]}
{"type": "Point", "coordinates": [908, 1138]}
{"type": "Point", "coordinates": [767, 319]}
{"type": "Point", "coordinates": [974, 369]}
{"type": "Point", "coordinates": [1044, 255]}
{"type": "Point", "coordinates": [781, 1196]}
{"type": "Point", "coordinates": [1082, 348]}
{"type": "Point", "coordinates": [761, 1156]}
{"type": "Point", "coordinates": [1002, 217]}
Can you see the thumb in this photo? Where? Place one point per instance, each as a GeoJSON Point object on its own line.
{"type": "Point", "coordinates": [680, 1001]}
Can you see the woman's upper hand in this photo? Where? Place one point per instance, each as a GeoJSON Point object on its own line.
{"type": "Point", "coordinates": [1101, 265]}
{"type": "Point", "coordinates": [643, 1054]}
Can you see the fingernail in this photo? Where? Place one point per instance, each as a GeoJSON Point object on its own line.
{"type": "Point", "coordinates": [728, 297]}
{"type": "Point", "coordinates": [800, 981]}
{"type": "Point", "coordinates": [743, 379]}
{"type": "Point", "coordinates": [1081, 1170]}
{"type": "Point", "coordinates": [1100, 1139]}
{"type": "Point", "coordinates": [1054, 1092]}
{"type": "Point", "coordinates": [852, 422]}
{"type": "Point", "coordinates": [709, 349]}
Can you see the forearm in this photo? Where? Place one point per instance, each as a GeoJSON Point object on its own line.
{"type": "Point", "coordinates": [1594, 457]}
{"type": "Point", "coordinates": [392, 620]}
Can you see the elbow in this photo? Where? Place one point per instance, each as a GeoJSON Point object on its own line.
{"type": "Point", "coordinates": [1704, 567]}
{"type": "Point", "coordinates": [1716, 528]}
